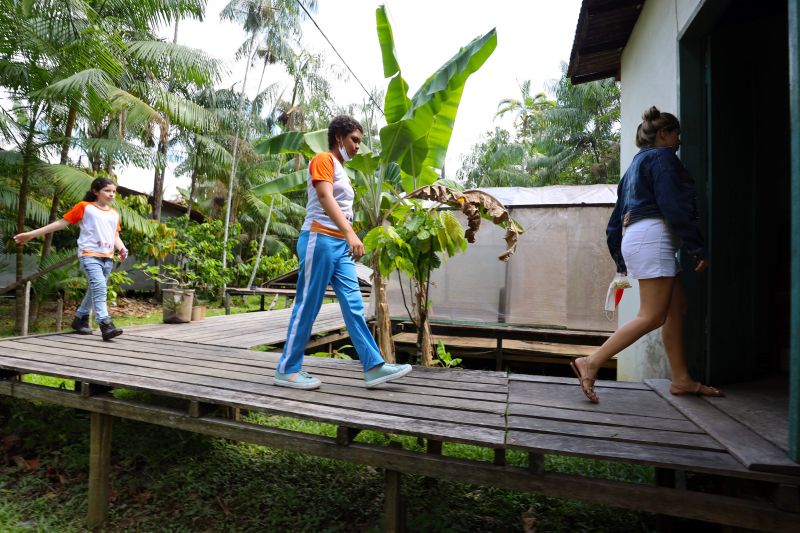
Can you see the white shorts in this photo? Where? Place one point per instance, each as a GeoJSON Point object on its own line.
{"type": "Point", "coordinates": [649, 249]}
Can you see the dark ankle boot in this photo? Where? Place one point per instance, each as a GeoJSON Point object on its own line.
{"type": "Point", "coordinates": [81, 325]}
{"type": "Point", "coordinates": [109, 330]}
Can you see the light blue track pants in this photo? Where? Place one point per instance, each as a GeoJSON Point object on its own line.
{"type": "Point", "coordinates": [97, 270]}
{"type": "Point", "coordinates": [324, 260]}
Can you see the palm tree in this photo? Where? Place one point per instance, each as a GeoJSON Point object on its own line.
{"type": "Point", "coordinates": [273, 20]}
{"type": "Point", "coordinates": [498, 161]}
{"type": "Point", "coordinates": [60, 63]}
{"type": "Point", "coordinates": [580, 138]}
{"type": "Point", "coordinates": [529, 110]}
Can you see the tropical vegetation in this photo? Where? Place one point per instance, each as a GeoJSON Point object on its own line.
{"type": "Point", "coordinates": [568, 134]}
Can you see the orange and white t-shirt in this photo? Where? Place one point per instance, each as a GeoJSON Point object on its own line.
{"type": "Point", "coordinates": [99, 229]}
{"type": "Point", "coordinates": [325, 167]}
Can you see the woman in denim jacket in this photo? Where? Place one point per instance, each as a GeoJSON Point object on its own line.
{"type": "Point", "coordinates": [655, 214]}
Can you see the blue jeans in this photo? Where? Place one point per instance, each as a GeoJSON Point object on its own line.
{"type": "Point", "coordinates": [97, 270]}
{"type": "Point", "coordinates": [324, 260]}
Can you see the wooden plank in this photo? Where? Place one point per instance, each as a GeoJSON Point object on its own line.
{"type": "Point", "coordinates": [263, 362]}
{"type": "Point", "coordinates": [255, 382]}
{"type": "Point", "coordinates": [615, 433]}
{"type": "Point", "coordinates": [587, 338]}
{"type": "Point", "coordinates": [609, 419]}
{"type": "Point", "coordinates": [701, 506]}
{"type": "Point", "coordinates": [529, 347]}
{"type": "Point", "coordinates": [681, 458]}
{"type": "Point", "coordinates": [605, 384]}
{"type": "Point", "coordinates": [99, 468]}
{"type": "Point", "coordinates": [322, 412]}
{"type": "Point", "coordinates": [620, 401]}
{"type": "Point", "coordinates": [755, 452]}
{"type": "Point", "coordinates": [359, 399]}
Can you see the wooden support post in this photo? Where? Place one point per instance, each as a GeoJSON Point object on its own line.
{"type": "Point", "coordinates": [393, 515]}
{"type": "Point", "coordinates": [59, 315]}
{"type": "Point", "coordinates": [536, 463]}
{"type": "Point", "coordinates": [198, 409]}
{"type": "Point", "coordinates": [10, 375]}
{"type": "Point", "coordinates": [93, 389]}
{"type": "Point", "coordinates": [227, 300]}
{"type": "Point", "coordinates": [232, 413]}
{"type": "Point", "coordinates": [434, 447]}
{"type": "Point", "coordinates": [99, 468]}
{"type": "Point", "coordinates": [499, 457]}
{"type": "Point", "coordinates": [262, 303]}
{"type": "Point", "coordinates": [27, 306]}
{"type": "Point", "coordinates": [498, 354]}
{"type": "Point", "coordinates": [666, 524]}
{"type": "Point", "coordinates": [787, 497]}
{"type": "Point", "coordinates": [345, 435]}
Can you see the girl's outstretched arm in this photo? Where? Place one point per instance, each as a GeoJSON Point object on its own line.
{"type": "Point", "coordinates": [22, 238]}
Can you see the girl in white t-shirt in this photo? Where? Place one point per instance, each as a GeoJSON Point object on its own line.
{"type": "Point", "coordinates": [99, 237]}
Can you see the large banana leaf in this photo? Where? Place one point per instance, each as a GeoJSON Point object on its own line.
{"type": "Point", "coordinates": [418, 141]}
{"type": "Point", "coordinates": [290, 142]}
{"type": "Point", "coordinates": [285, 183]}
{"type": "Point", "coordinates": [298, 142]}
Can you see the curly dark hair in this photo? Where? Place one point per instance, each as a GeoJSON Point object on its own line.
{"type": "Point", "coordinates": [342, 125]}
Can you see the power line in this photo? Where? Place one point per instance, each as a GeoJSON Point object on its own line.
{"type": "Point", "coordinates": [340, 56]}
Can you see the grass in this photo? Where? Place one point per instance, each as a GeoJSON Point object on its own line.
{"type": "Point", "coordinates": [169, 480]}
{"type": "Point", "coordinates": [143, 314]}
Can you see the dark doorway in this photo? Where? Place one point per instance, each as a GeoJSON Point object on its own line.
{"type": "Point", "coordinates": [735, 106]}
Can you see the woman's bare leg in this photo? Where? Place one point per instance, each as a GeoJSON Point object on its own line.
{"type": "Point", "coordinates": [655, 296]}
{"type": "Point", "coordinates": [672, 335]}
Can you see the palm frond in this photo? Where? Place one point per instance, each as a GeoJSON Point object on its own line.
{"type": "Point", "coordinates": [184, 64]}
{"type": "Point", "coordinates": [35, 210]}
{"type": "Point", "coordinates": [91, 86]}
{"type": "Point", "coordinates": [122, 152]}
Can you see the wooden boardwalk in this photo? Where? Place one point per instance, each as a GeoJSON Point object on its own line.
{"type": "Point", "coordinates": [245, 330]}
{"type": "Point", "coordinates": [634, 423]}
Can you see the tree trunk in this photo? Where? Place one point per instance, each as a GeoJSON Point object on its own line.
{"type": "Point", "coordinates": [158, 179]}
{"type": "Point", "coordinates": [240, 109]}
{"type": "Point", "coordinates": [48, 239]}
{"type": "Point", "coordinates": [191, 192]}
{"type": "Point", "coordinates": [27, 159]}
{"type": "Point", "coordinates": [424, 347]}
{"type": "Point", "coordinates": [383, 322]}
{"type": "Point", "coordinates": [261, 243]}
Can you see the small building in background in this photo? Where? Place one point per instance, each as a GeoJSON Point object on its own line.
{"type": "Point", "coordinates": [558, 276]}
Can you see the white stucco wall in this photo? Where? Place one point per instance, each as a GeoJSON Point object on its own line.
{"type": "Point", "coordinates": [649, 74]}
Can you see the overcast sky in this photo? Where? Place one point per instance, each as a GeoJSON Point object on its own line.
{"type": "Point", "coordinates": [533, 38]}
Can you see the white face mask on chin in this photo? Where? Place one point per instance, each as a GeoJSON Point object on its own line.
{"type": "Point", "coordinates": [343, 152]}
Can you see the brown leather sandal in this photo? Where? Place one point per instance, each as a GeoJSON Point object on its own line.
{"type": "Point", "coordinates": [697, 390]}
{"type": "Point", "coordinates": [587, 384]}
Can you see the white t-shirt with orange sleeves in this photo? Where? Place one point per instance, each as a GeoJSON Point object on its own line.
{"type": "Point", "coordinates": [325, 167]}
{"type": "Point", "coordinates": [99, 229]}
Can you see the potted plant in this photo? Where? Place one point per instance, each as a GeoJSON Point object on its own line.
{"type": "Point", "coordinates": [177, 294]}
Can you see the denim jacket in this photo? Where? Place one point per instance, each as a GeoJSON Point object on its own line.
{"type": "Point", "coordinates": [656, 185]}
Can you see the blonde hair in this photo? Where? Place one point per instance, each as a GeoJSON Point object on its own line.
{"type": "Point", "coordinates": [653, 121]}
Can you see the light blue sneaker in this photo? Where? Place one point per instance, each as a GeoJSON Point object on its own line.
{"type": "Point", "coordinates": [387, 372]}
{"type": "Point", "coordinates": [304, 380]}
